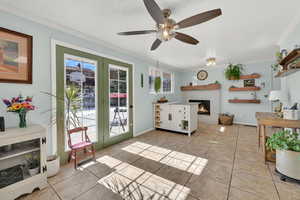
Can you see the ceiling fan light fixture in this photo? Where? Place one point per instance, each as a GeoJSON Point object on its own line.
{"type": "Point", "coordinates": [165, 34]}
{"type": "Point", "coordinates": [211, 61]}
{"type": "Point", "coordinates": [167, 27]}
{"type": "Point", "coordinates": [166, 30]}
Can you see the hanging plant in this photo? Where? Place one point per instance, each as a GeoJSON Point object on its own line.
{"type": "Point", "coordinates": [157, 84]}
{"type": "Point", "coordinates": [233, 72]}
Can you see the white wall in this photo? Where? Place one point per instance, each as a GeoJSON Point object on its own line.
{"type": "Point", "coordinates": [42, 36]}
{"type": "Point", "coordinates": [290, 85]}
{"type": "Point", "coordinates": [244, 113]}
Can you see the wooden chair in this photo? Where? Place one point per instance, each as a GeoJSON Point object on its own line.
{"type": "Point", "coordinates": [84, 145]}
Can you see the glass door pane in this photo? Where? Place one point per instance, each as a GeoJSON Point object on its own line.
{"type": "Point", "coordinates": [118, 100]}
{"type": "Point", "coordinates": [80, 89]}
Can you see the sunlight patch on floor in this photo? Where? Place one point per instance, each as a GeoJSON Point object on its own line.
{"type": "Point", "coordinates": [132, 182]}
{"type": "Point", "coordinates": [129, 180]}
{"type": "Point", "coordinates": [182, 161]}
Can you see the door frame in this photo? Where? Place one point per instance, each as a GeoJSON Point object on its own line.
{"type": "Point", "coordinates": [113, 140]}
{"type": "Point", "coordinates": [52, 136]}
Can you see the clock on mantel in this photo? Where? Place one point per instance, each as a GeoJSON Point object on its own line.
{"type": "Point", "coordinates": [202, 75]}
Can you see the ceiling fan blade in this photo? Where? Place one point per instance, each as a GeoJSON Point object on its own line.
{"type": "Point", "coordinates": [137, 32]}
{"type": "Point", "coordinates": [200, 18]}
{"type": "Point", "coordinates": [186, 38]}
{"type": "Point", "coordinates": [155, 11]}
{"type": "Point", "coordinates": [155, 44]}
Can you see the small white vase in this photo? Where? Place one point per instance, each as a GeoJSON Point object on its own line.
{"type": "Point", "coordinates": [53, 166]}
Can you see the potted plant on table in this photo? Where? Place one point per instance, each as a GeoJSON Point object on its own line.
{"type": "Point", "coordinates": [233, 71]}
{"type": "Point", "coordinates": [287, 146]}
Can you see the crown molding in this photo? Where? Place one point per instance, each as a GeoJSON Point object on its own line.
{"type": "Point", "coordinates": [65, 29]}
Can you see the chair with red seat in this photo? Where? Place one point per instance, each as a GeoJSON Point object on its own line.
{"type": "Point", "coordinates": [84, 145]}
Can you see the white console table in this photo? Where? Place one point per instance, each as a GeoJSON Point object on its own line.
{"type": "Point", "coordinates": [16, 144]}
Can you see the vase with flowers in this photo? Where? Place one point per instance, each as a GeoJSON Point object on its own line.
{"type": "Point", "coordinates": [20, 105]}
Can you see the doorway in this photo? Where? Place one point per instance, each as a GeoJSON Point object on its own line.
{"type": "Point", "coordinates": [102, 92]}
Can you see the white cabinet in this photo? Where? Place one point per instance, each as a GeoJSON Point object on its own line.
{"type": "Point", "coordinates": [176, 117]}
{"type": "Point", "coordinates": [20, 150]}
{"type": "Point", "coordinates": [164, 116]}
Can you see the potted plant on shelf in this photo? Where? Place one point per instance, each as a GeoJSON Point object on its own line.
{"type": "Point", "coordinates": [33, 164]}
{"type": "Point", "coordinates": [233, 71]}
{"type": "Point", "coordinates": [276, 66]}
{"type": "Point", "coordinates": [287, 146]}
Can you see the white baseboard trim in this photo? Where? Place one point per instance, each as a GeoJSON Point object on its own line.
{"type": "Point", "coordinates": [142, 132]}
{"type": "Point", "coordinates": [244, 123]}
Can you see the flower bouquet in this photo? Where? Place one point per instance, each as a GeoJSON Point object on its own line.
{"type": "Point", "coordinates": [20, 105]}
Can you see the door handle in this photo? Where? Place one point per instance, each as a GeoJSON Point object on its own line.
{"type": "Point", "coordinates": [131, 106]}
{"type": "Point", "coordinates": [170, 117]}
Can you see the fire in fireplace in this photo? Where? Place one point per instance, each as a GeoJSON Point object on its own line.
{"type": "Point", "coordinates": [203, 106]}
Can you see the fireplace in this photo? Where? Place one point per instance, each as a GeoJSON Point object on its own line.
{"type": "Point", "coordinates": [203, 106]}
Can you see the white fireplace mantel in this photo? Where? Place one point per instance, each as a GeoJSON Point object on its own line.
{"type": "Point", "coordinates": [214, 96]}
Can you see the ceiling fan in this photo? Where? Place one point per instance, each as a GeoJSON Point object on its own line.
{"type": "Point", "coordinates": [166, 27]}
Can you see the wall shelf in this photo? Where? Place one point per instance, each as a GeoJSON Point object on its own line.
{"type": "Point", "coordinates": [236, 89]}
{"type": "Point", "coordinates": [250, 76]}
{"type": "Point", "coordinates": [201, 87]}
{"type": "Point", "coordinates": [18, 152]}
{"type": "Point", "coordinates": [286, 61]}
{"type": "Point", "coordinates": [255, 101]}
{"type": "Point", "coordinates": [293, 55]}
{"type": "Point", "coordinates": [286, 72]}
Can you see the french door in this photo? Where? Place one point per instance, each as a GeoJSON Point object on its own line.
{"type": "Point", "coordinates": [118, 101]}
{"type": "Point", "coordinates": [101, 89]}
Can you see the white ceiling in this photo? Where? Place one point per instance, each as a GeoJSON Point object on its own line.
{"type": "Point", "coordinates": [248, 30]}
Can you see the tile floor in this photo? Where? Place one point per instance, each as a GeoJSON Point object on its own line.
{"type": "Point", "coordinates": [214, 164]}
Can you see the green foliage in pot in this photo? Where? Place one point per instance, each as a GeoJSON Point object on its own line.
{"type": "Point", "coordinates": [279, 57]}
{"type": "Point", "coordinates": [233, 72]}
{"type": "Point", "coordinates": [72, 101]}
{"type": "Point", "coordinates": [157, 84]}
{"type": "Point", "coordinates": [284, 140]}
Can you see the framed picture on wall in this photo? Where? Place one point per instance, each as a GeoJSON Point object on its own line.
{"type": "Point", "coordinates": [249, 83]}
{"type": "Point", "coordinates": [15, 57]}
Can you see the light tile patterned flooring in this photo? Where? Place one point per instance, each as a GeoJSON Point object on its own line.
{"type": "Point", "coordinates": [214, 164]}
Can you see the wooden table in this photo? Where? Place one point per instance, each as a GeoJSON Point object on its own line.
{"type": "Point", "coordinates": [265, 119]}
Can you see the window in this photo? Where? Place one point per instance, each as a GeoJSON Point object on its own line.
{"type": "Point", "coordinates": [166, 80]}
